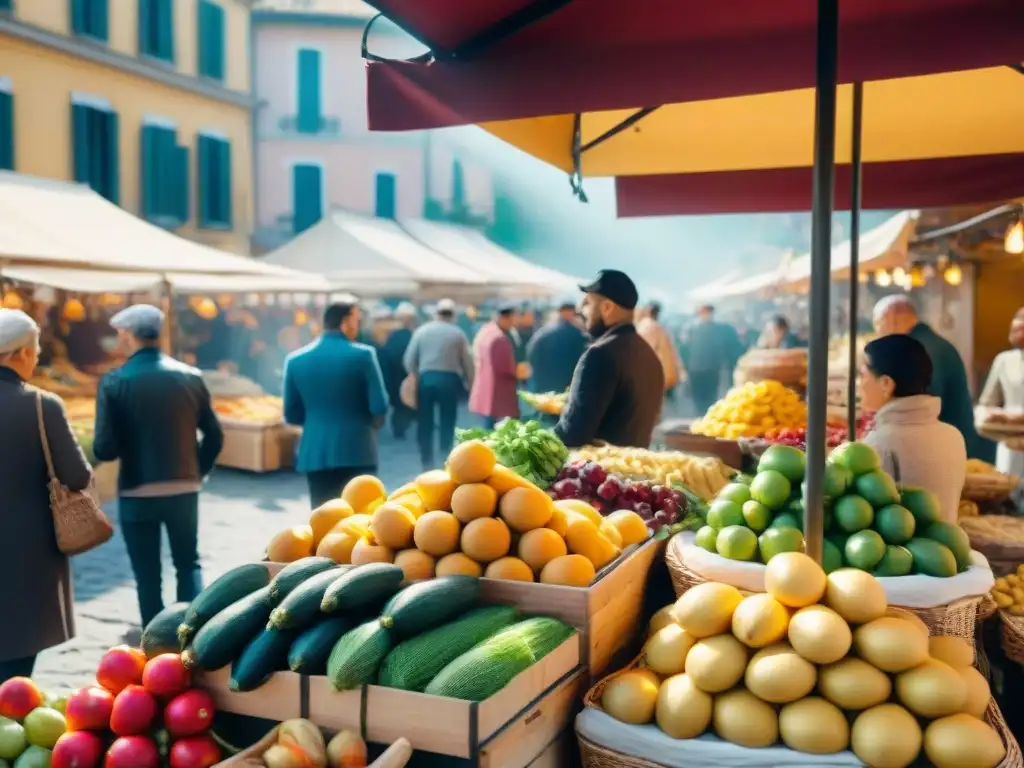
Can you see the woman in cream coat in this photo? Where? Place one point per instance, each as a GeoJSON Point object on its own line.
{"type": "Point", "coordinates": [916, 448]}
{"type": "Point", "coordinates": [1004, 389]}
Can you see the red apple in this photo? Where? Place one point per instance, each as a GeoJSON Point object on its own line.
{"type": "Point", "coordinates": [120, 667]}
{"type": "Point", "coordinates": [18, 697]}
{"type": "Point", "coordinates": [189, 714]}
{"type": "Point", "coordinates": [165, 676]}
{"type": "Point", "coordinates": [80, 749]}
{"type": "Point", "coordinates": [88, 709]}
{"type": "Point", "coordinates": [133, 752]}
{"type": "Point", "coordinates": [134, 711]}
{"type": "Point", "coordinates": [195, 752]}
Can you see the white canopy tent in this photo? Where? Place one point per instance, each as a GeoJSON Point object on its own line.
{"type": "Point", "coordinates": [511, 276]}
{"type": "Point", "coordinates": [375, 258]}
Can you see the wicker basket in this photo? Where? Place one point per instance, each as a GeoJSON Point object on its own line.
{"type": "Point", "coordinates": [1000, 538]}
{"type": "Point", "coordinates": [682, 577]}
{"type": "Point", "coordinates": [596, 756]}
{"type": "Point", "coordinates": [989, 487]}
{"type": "Point", "coordinates": [1013, 636]}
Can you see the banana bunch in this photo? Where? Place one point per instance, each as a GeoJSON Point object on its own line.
{"type": "Point", "coordinates": [550, 403]}
{"type": "Point", "coordinates": [1008, 592]}
{"type": "Point", "coordinates": [979, 467]}
{"type": "Point", "coordinates": [967, 508]}
{"type": "Point", "coordinates": [704, 475]}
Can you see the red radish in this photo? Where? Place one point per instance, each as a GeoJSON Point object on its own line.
{"type": "Point", "coordinates": [88, 709]}
{"type": "Point", "coordinates": [18, 697]}
{"type": "Point", "coordinates": [134, 711]}
{"type": "Point", "coordinates": [132, 752]}
{"type": "Point", "coordinates": [189, 713]}
{"type": "Point", "coordinates": [80, 749]}
{"type": "Point", "coordinates": [120, 667]}
{"type": "Point", "coordinates": [165, 676]}
{"type": "Point", "coordinates": [195, 752]}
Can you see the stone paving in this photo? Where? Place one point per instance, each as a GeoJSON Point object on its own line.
{"type": "Point", "coordinates": [239, 512]}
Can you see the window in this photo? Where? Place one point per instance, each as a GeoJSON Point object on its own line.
{"type": "Point", "coordinates": [307, 196]}
{"type": "Point", "coordinates": [89, 17]}
{"type": "Point", "coordinates": [214, 182]}
{"type": "Point", "coordinates": [156, 29]}
{"type": "Point", "coordinates": [211, 40]}
{"type": "Point", "coordinates": [95, 148]}
{"type": "Point", "coordinates": [5, 5]}
{"type": "Point", "coordinates": [164, 170]}
{"type": "Point", "coordinates": [308, 118]}
{"type": "Point", "coordinates": [385, 205]}
{"type": "Point", "coordinates": [6, 125]}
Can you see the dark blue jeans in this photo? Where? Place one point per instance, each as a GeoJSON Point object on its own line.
{"type": "Point", "coordinates": [141, 523]}
{"type": "Point", "coordinates": [440, 392]}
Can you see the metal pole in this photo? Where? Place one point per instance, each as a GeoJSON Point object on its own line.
{"type": "Point", "coordinates": [821, 269]}
{"type": "Point", "coordinates": [855, 198]}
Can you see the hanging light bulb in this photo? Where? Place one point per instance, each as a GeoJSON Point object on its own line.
{"type": "Point", "coordinates": [899, 275]}
{"type": "Point", "coordinates": [204, 307]}
{"type": "Point", "coordinates": [917, 278]}
{"type": "Point", "coordinates": [863, 277]}
{"type": "Point", "coordinates": [953, 275]}
{"type": "Point", "coordinates": [301, 317]}
{"type": "Point", "coordinates": [74, 311]}
{"type": "Point", "coordinates": [1014, 240]}
{"type": "Point", "coordinates": [883, 279]}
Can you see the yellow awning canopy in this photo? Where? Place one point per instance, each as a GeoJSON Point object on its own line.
{"type": "Point", "coordinates": [959, 114]}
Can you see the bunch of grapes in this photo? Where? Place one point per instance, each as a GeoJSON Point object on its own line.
{"type": "Point", "coordinates": [658, 505]}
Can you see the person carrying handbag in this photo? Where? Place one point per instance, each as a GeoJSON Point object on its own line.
{"type": "Point", "coordinates": [37, 601]}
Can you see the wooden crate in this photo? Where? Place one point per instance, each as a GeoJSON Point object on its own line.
{"type": "Point", "coordinates": [251, 447]}
{"type": "Point", "coordinates": [280, 698]}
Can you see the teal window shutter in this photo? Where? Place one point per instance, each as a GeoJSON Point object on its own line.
{"type": "Point", "coordinates": [145, 26]}
{"type": "Point", "coordinates": [308, 117]}
{"type": "Point", "coordinates": [150, 160]}
{"type": "Point", "coordinates": [99, 12]}
{"type": "Point", "coordinates": [181, 196]}
{"type": "Point", "coordinates": [112, 176]}
{"type": "Point", "coordinates": [458, 186]}
{"type": "Point", "coordinates": [89, 17]}
{"type": "Point", "coordinates": [214, 182]}
{"type": "Point", "coordinates": [80, 142]}
{"type": "Point", "coordinates": [211, 39]}
{"type": "Point", "coordinates": [307, 196]}
{"type": "Point", "coordinates": [385, 189]}
{"type": "Point", "coordinates": [6, 131]}
{"type": "Point", "coordinates": [225, 183]}
{"type": "Point", "coordinates": [80, 17]}
{"type": "Point", "coordinates": [5, 5]}
{"type": "Point", "coordinates": [156, 29]}
{"type": "Point", "coordinates": [203, 180]}
{"type": "Point", "coordinates": [165, 29]}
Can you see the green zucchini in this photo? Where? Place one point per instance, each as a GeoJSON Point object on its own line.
{"type": "Point", "coordinates": [293, 574]}
{"type": "Point", "coordinates": [224, 636]}
{"type": "Point", "coordinates": [302, 605]}
{"type": "Point", "coordinates": [368, 585]}
{"type": "Point", "coordinates": [265, 654]}
{"type": "Point", "coordinates": [310, 650]}
{"type": "Point", "coordinates": [225, 590]}
{"type": "Point", "coordinates": [413, 663]}
{"type": "Point", "coordinates": [355, 658]}
{"type": "Point", "coordinates": [481, 672]}
{"type": "Point", "coordinates": [429, 604]}
{"type": "Point", "coordinates": [161, 634]}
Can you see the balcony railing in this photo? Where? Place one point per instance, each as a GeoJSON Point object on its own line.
{"type": "Point", "coordinates": [326, 126]}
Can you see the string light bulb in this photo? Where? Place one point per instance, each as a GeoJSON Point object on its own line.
{"type": "Point", "coordinates": [11, 300]}
{"type": "Point", "coordinates": [1013, 242]}
{"type": "Point", "coordinates": [301, 317]}
{"type": "Point", "coordinates": [883, 279]}
{"type": "Point", "coordinates": [917, 278]}
{"type": "Point", "coordinates": [953, 275]}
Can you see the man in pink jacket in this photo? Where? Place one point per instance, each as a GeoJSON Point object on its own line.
{"type": "Point", "coordinates": [494, 395]}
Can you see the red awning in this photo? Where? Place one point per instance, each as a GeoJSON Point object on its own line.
{"type": "Point", "coordinates": [886, 186]}
{"type": "Point", "coordinates": [592, 55]}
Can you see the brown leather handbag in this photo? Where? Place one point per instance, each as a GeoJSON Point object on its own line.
{"type": "Point", "coordinates": [78, 521]}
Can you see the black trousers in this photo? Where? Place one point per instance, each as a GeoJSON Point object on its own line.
{"type": "Point", "coordinates": [327, 484]}
{"type": "Point", "coordinates": [16, 668]}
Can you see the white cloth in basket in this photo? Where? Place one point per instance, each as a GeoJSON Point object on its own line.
{"type": "Point", "coordinates": [908, 591]}
{"type": "Point", "coordinates": [650, 743]}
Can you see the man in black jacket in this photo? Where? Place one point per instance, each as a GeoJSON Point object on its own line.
{"type": "Point", "coordinates": [617, 388]}
{"type": "Point", "coordinates": [148, 413]}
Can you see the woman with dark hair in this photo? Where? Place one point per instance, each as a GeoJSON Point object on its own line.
{"type": "Point", "coordinates": [915, 446]}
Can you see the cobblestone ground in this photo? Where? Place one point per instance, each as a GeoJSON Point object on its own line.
{"type": "Point", "coordinates": [239, 512]}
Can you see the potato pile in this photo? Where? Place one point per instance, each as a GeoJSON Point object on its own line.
{"type": "Point", "coordinates": [1008, 592]}
{"type": "Point", "coordinates": [476, 518]}
{"type": "Point", "coordinates": [791, 664]}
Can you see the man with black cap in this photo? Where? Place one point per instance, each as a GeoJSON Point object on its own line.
{"type": "Point", "coordinates": [554, 351]}
{"type": "Point", "coordinates": [617, 387]}
{"type": "Point", "coordinates": [148, 413]}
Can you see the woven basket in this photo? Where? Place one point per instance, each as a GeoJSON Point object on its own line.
{"type": "Point", "coordinates": [597, 756]}
{"type": "Point", "coordinates": [682, 577]}
{"type": "Point", "coordinates": [988, 487]}
{"type": "Point", "coordinates": [1013, 636]}
{"type": "Point", "coordinates": [1000, 538]}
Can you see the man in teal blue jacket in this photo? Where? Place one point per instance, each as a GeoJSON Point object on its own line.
{"type": "Point", "coordinates": [334, 390]}
{"type": "Point", "coordinates": [897, 314]}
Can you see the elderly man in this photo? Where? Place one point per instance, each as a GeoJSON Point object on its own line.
{"type": "Point", "coordinates": [897, 314]}
{"type": "Point", "coordinates": [618, 385]}
{"type": "Point", "coordinates": [148, 414]}
{"type": "Point", "coordinates": [438, 356]}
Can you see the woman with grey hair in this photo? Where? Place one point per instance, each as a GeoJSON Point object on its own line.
{"type": "Point", "coordinates": [37, 599]}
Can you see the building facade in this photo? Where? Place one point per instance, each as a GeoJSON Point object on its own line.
{"type": "Point", "coordinates": [149, 102]}
{"type": "Point", "coordinates": [314, 149]}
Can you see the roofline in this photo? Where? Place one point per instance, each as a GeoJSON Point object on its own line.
{"type": "Point", "coordinates": [266, 17]}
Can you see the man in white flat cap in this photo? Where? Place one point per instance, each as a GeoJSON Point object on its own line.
{"type": "Point", "coordinates": [37, 597]}
{"type": "Point", "coordinates": [148, 413]}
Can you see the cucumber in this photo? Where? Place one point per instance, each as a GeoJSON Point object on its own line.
{"type": "Point", "coordinates": [429, 604]}
{"type": "Point", "coordinates": [302, 605]}
{"type": "Point", "coordinates": [225, 590]}
{"type": "Point", "coordinates": [223, 637]}
{"type": "Point", "coordinates": [368, 585]}
{"type": "Point", "coordinates": [310, 650]}
{"type": "Point", "coordinates": [357, 655]}
{"type": "Point", "coordinates": [265, 654]}
{"type": "Point", "coordinates": [413, 663]}
{"type": "Point", "coordinates": [293, 574]}
{"type": "Point", "coordinates": [161, 634]}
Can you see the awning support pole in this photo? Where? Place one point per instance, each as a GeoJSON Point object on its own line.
{"type": "Point", "coordinates": [826, 66]}
{"type": "Point", "coordinates": [855, 203]}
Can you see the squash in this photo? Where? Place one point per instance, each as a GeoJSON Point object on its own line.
{"type": "Point", "coordinates": [472, 501]}
{"type": "Point", "coordinates": [503, 480]}
{"type": "Point", "coordinates": [559, 522]}
{"type": "Point", "coordinates": [291, 544]}
{"type": "Point", "coordinates": [583, 538]}
{"type": "Point", "coordinates": [365, 551]}
{"type": "Point", "coordinates": [415, 564]}
{"type": "Point", "coordinates": [486, 539]}
{"type": "Point", "coordinates": [458, 564]}
{"type": "Point", "coordinates": [412, 502]}
{"type": "Point", "coordinates": [471, 462]}
{"type": "Point", "coordinates": [364, 492]}
{"type": "Point", "coordinates": [435, 488]}
{"type": "Point", "coordinates": [509, 569]}
{"type": "Point", "coordinates": [338, 546]}
{"type": "Point", "coordinates": [392, 525]}
{"type": "Point", "coordinates": [326, 516]}
{"type": "Point", "coordinates": [568, 571]}
{"type": "Point", "coordinates": [526, 508]}
{"type": "Point", "coordinates": [437, 533]}
{"type": "Point", "coordinates": [540, 546]}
